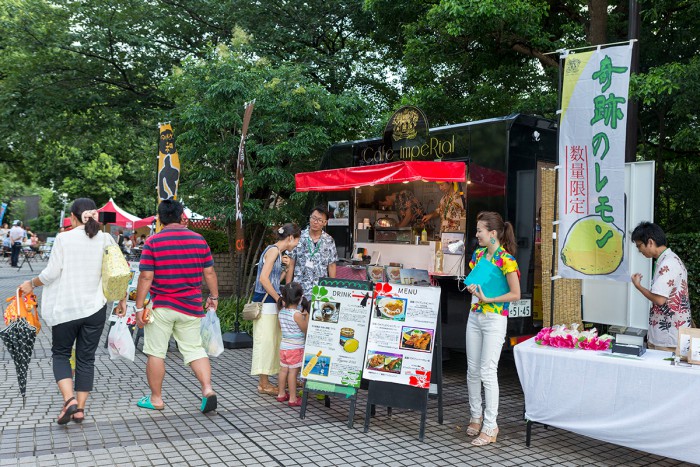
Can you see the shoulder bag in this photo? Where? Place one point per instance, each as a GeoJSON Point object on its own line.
{"type": "Point", "coordinates": [253, 310]}
{"type": "Point", "coordinates": [116, 273]}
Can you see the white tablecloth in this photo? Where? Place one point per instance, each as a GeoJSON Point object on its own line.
{"type": "Point", "coordinates": [644, 404]}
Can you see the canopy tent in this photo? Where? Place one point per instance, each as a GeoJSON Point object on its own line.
{"type": "Point", "coordinates": [123, 217]}
{"type": "Point", "coordinates": [145, 222]}
{"type": "Point", "coordinates": [380, 174]}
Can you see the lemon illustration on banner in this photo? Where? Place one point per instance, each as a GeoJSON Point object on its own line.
{"type": "Point", "coordinates": [593, 246]}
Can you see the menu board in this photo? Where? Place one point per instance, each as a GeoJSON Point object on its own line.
{"type": "Point", "coordinates": [337, 332]}
{"type": "Point", "coordinates": [402, 334]}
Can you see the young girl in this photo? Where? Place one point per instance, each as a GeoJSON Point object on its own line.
{"type": "Point", "coordinates": [293, 318]}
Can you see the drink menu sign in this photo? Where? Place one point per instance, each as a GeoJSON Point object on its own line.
{"type": "Point", "coordinates": [402, 334]}
{"type": "Point", "coordinates": [337, 332]}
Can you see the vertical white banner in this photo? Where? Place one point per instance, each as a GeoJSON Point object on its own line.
{"type": "Point", "coordinates": [593, 130]}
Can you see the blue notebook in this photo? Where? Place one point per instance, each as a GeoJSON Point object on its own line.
{"type": "Point", "coordinates": [490, 277]}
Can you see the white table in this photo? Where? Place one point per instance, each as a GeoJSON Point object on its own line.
{"type": "Point", "coordinates": [645, 404]}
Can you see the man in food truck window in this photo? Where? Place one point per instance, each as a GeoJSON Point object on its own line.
{"type": "Point", "coordinates": [450, 209]}
{"type": "Point", "coordinates": [315, 255]}
{"type": "Point", "coordinates": [407, 206]}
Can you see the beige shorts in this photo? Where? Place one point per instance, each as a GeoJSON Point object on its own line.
{"type": "Point", "coordinates": [186, 330]}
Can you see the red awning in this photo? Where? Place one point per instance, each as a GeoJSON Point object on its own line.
{"type": "Point", "coordinates": [380, 174]}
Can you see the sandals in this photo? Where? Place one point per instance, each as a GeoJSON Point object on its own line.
{"type": "Point", "coordinates": [487, 436]}
{"type": "Point", "coordinates": [296, 403]}
{"type": "Point", "coordinates": [208, 403]}
{"type": "Point", "coordinates": [270, 390]}
{"type": "Point", "coordinates": [67, 411]}
{"type": "Point", "coordinates": [145, 403]}
{"type": "Point", "coordinates": [474, 426]}
{"type": "Point", "coordinates": [284, 398]}
{"type": "Point", "coordinates": [79, 420]}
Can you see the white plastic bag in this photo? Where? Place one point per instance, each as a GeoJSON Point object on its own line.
{"type": "Point", "coordinates": [212, 341]}
{"type": "Point", "coordinates": [120, 342]}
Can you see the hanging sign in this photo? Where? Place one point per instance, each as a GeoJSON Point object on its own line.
{"type": "Point", "coordinates": [592, 159]}
{"type": "Point", "coordinates": [401, 336]}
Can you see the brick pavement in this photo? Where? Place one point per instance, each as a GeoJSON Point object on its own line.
{"type": "Point", "coordinates": [251, 429]}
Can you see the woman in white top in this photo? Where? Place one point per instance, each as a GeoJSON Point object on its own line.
{"type": "Point", "coordinates": [74, 306]}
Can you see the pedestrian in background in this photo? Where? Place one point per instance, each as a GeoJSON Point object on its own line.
{"type": "Point", "coordinates": [74, 305]}
{"type": "Point", "coordinates": [172, 265]}
{"type": "Point", "coordinates": [266, 329]}
{"type": "Point", "coordinates": [17, 236]}
{"type": "Point", "coordinates": [487, 324]}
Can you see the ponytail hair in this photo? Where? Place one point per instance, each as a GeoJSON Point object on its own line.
{"type": "Point", "coordinates": [288, 229]}
{"type": "Point", "coordinates": [292, 294]}
{"type": "Point", "coordinates": [81, 205]}
{"type": "Point", "coordinates": [504, 230]}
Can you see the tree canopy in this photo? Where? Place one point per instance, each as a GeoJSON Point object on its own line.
{"type": "Point", "coordinates": [84, 84]}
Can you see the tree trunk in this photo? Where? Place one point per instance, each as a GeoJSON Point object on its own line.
{"type": "Point", "coordinates": [598, 27]}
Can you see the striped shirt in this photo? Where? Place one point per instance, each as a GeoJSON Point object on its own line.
{"type": "Point", "coordinates": [292, 337]}
{"type": "Point", "coordinates": [177, 256]}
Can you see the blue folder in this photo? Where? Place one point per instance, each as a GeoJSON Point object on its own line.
{"type": "Point", "coordinates": [490, 277]}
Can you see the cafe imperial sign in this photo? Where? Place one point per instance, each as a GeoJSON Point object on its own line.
{"type": "Point", "coordinates": [407, 138]}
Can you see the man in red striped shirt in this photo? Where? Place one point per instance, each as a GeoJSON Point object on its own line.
{"type": "Point", "coordinates": [172, 265]}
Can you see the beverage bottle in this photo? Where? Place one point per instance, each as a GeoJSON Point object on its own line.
{"type": "Point", "coordinates": [310, 366]}
{"type": "Point", "coordinates": [424, 235]}
{"type": "Point", "coordinates": [439, 257]}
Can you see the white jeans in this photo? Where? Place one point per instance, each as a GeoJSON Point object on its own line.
{"type": "Point", "coordinates": [486, 333]}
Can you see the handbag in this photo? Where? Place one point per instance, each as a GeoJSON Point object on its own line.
{"type": "Point", "coordinates": [253, 310]}
{"type": "Point", "coordinates": [116, 273]}
{"type": "Point", "coordinates": [22, 307]}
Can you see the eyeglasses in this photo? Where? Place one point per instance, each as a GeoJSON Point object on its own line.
{"type": "Point", "coordinates": [317, 220]}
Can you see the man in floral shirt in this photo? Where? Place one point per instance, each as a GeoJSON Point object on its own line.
{"type": "Point", "coordinates": [450, 209]}
{"type": "Point", "coordinates": [407, 206]}
{"type": "Point", "coordinates": [315, 255]}
{"type": "Point", "coordinates": [670, 302]}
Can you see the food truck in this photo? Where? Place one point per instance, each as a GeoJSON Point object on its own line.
{"type": "Point", "coordinates": [493, 165]}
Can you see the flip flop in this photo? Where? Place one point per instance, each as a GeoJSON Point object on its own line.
{"type": "Point", "coordinates": [208, 403]}
{"type": "Point", "coordinates": [145, 403]}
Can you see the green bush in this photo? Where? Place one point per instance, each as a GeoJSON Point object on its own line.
{"type": "Point", "coordinates": [227, 314]}
{"type": "Point", "coordinates": [216, 239]}
{"type": "Point", "coordinates": [687, 247]}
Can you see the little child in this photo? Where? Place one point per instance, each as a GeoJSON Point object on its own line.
{"type": "Point", "coordinates": [293, 319]}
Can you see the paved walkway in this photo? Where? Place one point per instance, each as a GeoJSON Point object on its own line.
{"type": "Point", "coordinates": [251, 429]}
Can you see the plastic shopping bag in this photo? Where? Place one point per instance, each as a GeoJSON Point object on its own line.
{"type": "Point", "coordinates": [210, 330]}
{"type": "Point", "coordinates": [120, 342]}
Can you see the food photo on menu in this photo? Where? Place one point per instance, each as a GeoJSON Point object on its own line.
{"type": "Point", "coordinates": [416, 339]}
{"type": "Point", "coordinates": [326, 312]}
{"type": "Point", "coordinates": [393, 274]}
{"type": "Point", "coordinates": [384, 362]}
{"type": "Point", "coordinates": [316, 364]}
{"type": "Point", "coordinates": [391, 308]}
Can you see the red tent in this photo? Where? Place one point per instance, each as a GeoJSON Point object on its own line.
{"type": "Point", "coordinates": [144, 222]}
{"type": "Point", "coordinates": [124, 219]}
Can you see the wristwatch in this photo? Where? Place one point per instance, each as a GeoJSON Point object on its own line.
{"type": "Point", "coordinates": [213, 298]}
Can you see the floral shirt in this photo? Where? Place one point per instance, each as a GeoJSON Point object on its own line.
{"type": "Point", "coordinates": [671, 281]}
{"type": "Point", "coordinates": [311, 260]}
{"type": "Point", "coordinates": [406, 203]}
{"type": "Point", "coordinates": [451, 211]}
{"type": "Point", "coordinates": [507, 264]}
